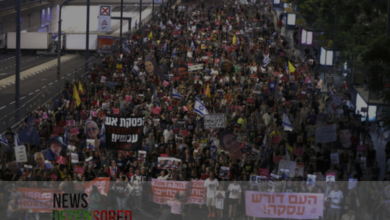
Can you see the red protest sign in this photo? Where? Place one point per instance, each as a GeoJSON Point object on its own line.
{"type": "Point", "coordinates": [275, 140]}
{"type": "Point", "coordinates": [175, 131]}
{"type": "Point", "coordinates": [128, 98]}
{"type": "Point", "coordinates": [52, 176]}
{"type": "Point", "coordinates": [163, 155]}
{"type": "Point", "coordinates": [156, 111]}
{"type": "Point", "coordinates": [298, 151]}
{"type": "Point", "coordinates": [116, 111]}
{"type": "Point", "coordinates": [74, 131]}
{"type": "Point", "coordinates": [176, 78]}
{"type": "Point", "coordinates": [61, 160]}
{"type": "Point", "coordinates": [185, 108]}
{"type": "Point", "coordinates": [277, 159]}
{"type": "Point", "coordinates": [170, 108]}
{"type": "Point", "coordinates": [263, 172]}
{"type": "Point", "coordinates": [70, 123]}
{"type": "Point", "coordinates": [362, 148]}
{"type": "Point", "coordinates": [78, 169]}
{"type": "Point", "coordinates": [250, 100]}
{"type": "Point", "coordinates": [185, 133]}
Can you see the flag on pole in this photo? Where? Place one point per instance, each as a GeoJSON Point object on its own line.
{"type": "Point", "coordinates": [136, 69]}
{"type": "Point", "coordinates": [266, 59]}
{"type": "Point", "coordinates": [16, 141]}
{"type": "Point", "coordinates": [264, 143]}
{"type": "Point", "coordinates": [287, 126]}
{"type": "Point", "coordinates": [192, 45]}
{"type": "Point", "coordinates": [176, 94]}
{"type": "Point", "coordinates": [151, 35]}
{"type": "Point", "coordinates": [156, 99]}
{"type": "Point", "coordinates": [76, 95]}
{"type": "Point", "coordinates": [135, 25]}
{"type": "Point", "coordinates": [3, 140]}
{"type": "Point", "coordinates": [126, 48]}
{"type": "Point", "coordinates": [234, 39]}
{"type": "Point", "coordinates": [103, 133]}
{"type": "Point", "coordinates": [81, 87]}
{"type": "Point", "coordinates": [291, 68]}
{"type": "Point", "coordinates": [66, 137]}
{"type": "Point", "coordinates": [208, 91]}
{"type": "Point", "coordinates": [200, 108]}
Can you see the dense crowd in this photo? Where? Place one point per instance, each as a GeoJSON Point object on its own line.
{"type": "Point", "coordinates": [249, 73]}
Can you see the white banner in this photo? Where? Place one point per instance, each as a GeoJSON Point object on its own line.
{"type": "Point", "coordinates": [20, 153]}
{"type": "Point", "coordinates": [195, 67]}
{"type": "Point", "coordinates": [214, 121]}
{"type": "Point", "coordinates": [326, 134]}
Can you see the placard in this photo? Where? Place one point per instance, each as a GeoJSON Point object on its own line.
{"type": "Point", "coordinates": [20, 153]}
{"type": "Point", "coordinates": [289, 165]}
{"type": "Point", "coordinates": [334, 158]}
{"type": "Point", "coordinates": [212, 121]}
{"type": "Point", "coordinates": [284, 205]}
{"type": "Point", "coordinates": [326, 134]}
{"type": "Point", "coordinates": [195, 67]}
{"type": "Point", "coordinates": [74, 158]}
{"type": "Point", "coordinates": [124, 133]}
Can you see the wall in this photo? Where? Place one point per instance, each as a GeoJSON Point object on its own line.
{"type": "Point", "coordinates": [31, 18]}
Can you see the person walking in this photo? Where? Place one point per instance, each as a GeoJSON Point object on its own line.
{"type": "Point", "coordinates": [176, 207]}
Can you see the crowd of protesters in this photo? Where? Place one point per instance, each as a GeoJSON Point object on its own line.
{"type": "Point", "coordinates": [250, 73]}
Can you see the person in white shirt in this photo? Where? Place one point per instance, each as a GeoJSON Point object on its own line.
{"type": "Point", "coordinates": [219, 201]}
{"type": "Point", "coordinates": [350, 215]}
{"type": "Point", "coordinates": [234, 197]}
{"type": "Point", "coordinates": [163, 176]}
{"type": "Point", "coordinates": [336, 197]}
{"type": "Point", "coordinates": [168, 133]}
{"type": "Point", "coordinates": [210, 189]}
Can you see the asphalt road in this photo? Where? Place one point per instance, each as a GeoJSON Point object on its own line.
{"type": "Point", "coordinates": [32, 86]}
{"type": "Point", "coordinates": [7, 62]}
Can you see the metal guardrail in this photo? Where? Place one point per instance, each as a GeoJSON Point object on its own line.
{"type": "Point", "coordinates": [42, 97]}
{"type": "Point", "coordinates": [50, 91]}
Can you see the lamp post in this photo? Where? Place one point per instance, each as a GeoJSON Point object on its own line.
{"type": "Point", "coordinates": [87, 40]}
{"type": "Point", "coordinates": [17, 59]}
{"type": "Point", "coordinates": [120, 35]}
{"type": "Point", "coordinates": [59, 46]}
{"type": "Point", "coordinates": [140, 13]}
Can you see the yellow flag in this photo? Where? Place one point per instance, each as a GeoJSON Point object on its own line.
{"type": "Point", "coordinates": [234, 39]}
{"type": "Point", "coordinates": [76, 95]}
{"type": "Point", "coordinates": [151, 35]}
{"type": "Point", "coordinates": [291, 68]}
{"type": "Point", "coordinates": [208, 90]}
{"type": "Point", "coordinates": [81, 88]}
{"type": "Point", "coordinates": [158, 42]}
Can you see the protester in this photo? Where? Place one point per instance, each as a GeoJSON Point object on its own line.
{"type": "Point", "coordinates": [223, 97]}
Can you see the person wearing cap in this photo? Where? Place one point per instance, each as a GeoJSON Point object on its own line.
{"type": "Point", "coordinates": [40, 160]}
{"type": "Point", "coordinates": [56, 147]}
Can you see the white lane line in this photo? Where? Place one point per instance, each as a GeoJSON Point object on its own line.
{"type": "Point", "coordinates": [23, 97]}
{"type": "Point", "coordinates": [37, 90]}
{"type": "Point", "coordinates": [30, 93]}
{"type": "Point", "coordinates": [2, 107]}
{"type": "Point", "coordinates": [43, 87]}
{"type": "Point", "coordinates": [50, 84]}
{"type": "Point", "coordinates": [12, 103]}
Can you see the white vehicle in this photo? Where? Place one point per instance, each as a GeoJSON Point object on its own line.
{"type": "Point", "coordinates": [30, 42]}
{"type": "Point", "coordinates": [77, 42]}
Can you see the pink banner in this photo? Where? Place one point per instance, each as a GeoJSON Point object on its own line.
{"type": "Point", "coordinates": [164, 190]}
{"type": "Point", "coordinates": [284, 205]}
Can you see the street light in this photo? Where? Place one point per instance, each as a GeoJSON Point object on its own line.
{"type": "Point", "coordinates": [59, 46]}
{"type": "Point", "coordinates": [17, 60]}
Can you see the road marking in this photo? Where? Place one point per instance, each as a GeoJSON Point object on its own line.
{"type": "Point", "coordinates": [50, 84]}
{"type": "Point", "coordinates": [30, 93]}
{"type": "Point", "coordinates": [43, 87]}
{"type": "Point", "coordinates": [37, 90]}
{"type": "Point", "coordinates": [2, 107]}
{"type": "Point", "coordinates": [23, 97]}
{"type": "Point", "coordinates": [12, 103]}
